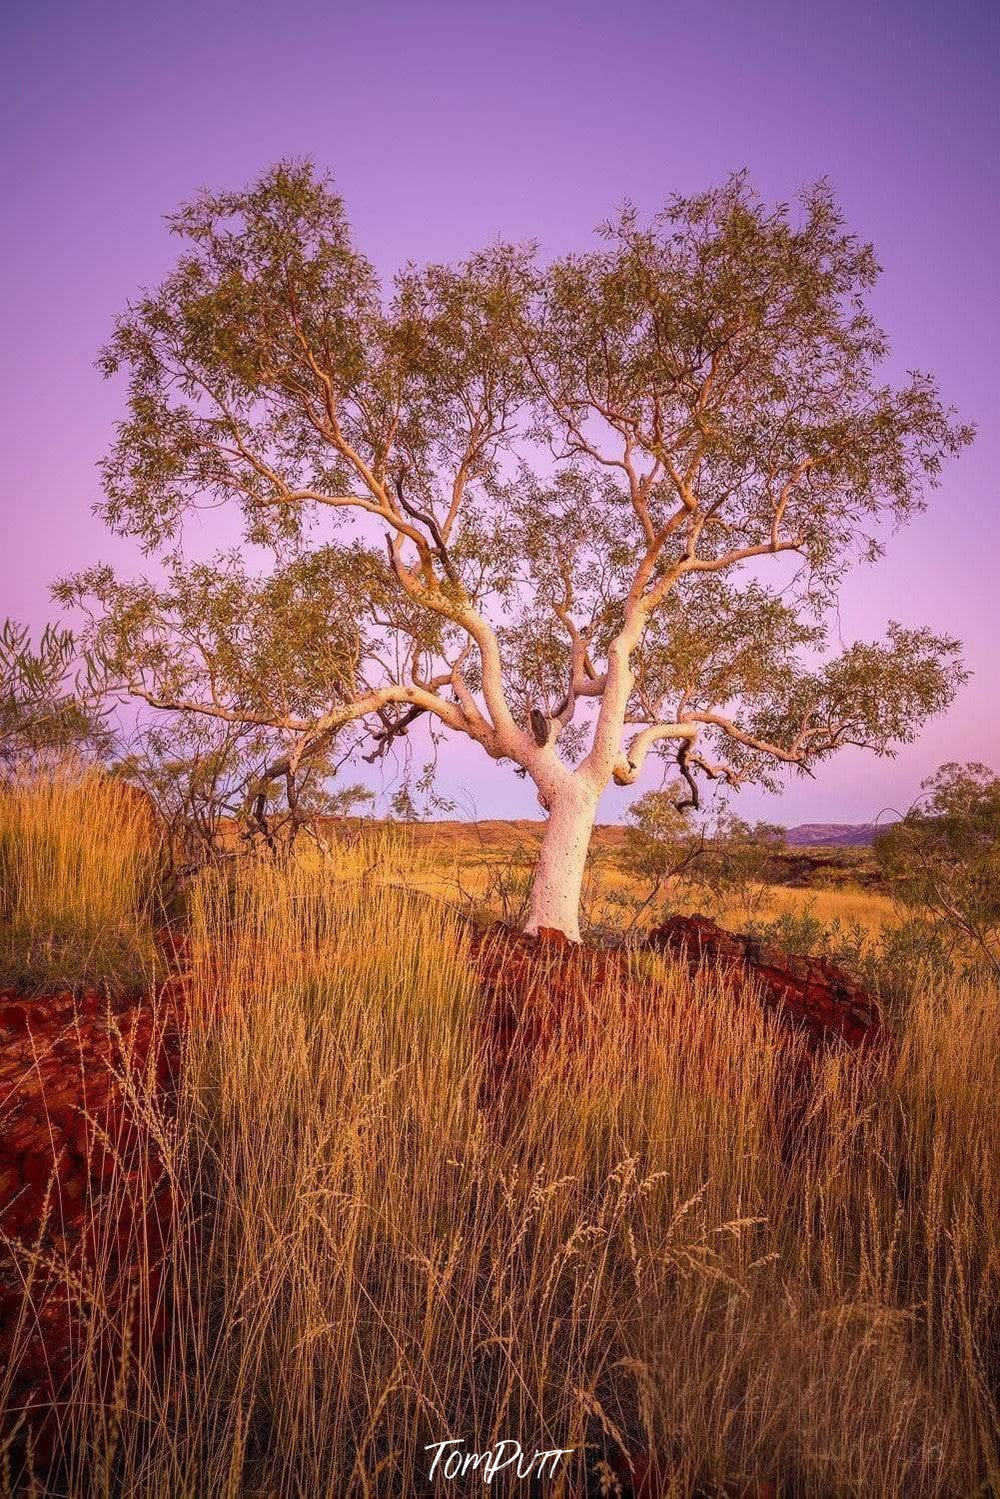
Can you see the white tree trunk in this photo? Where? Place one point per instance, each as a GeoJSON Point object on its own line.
{"type": "Point", "coordinates": [558, 881]}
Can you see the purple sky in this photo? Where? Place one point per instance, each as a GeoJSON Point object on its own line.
{"type": "Point", "coordinates": [447, 124]}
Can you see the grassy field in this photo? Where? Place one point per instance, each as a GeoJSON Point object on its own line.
{"type": "Point", "coordinates": [364, 1262]}
{"type": "Point", "coordinates": [476, 864]}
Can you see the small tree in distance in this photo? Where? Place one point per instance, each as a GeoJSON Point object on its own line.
{"type": "Point", "coordinates": [573, 512]}
{"type": "Point", "coordinates": [943, 860]}
{"type": "Point", "coordinates": [718, 860]}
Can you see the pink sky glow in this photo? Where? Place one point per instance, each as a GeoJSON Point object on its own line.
{"type": "Point", "coordinates": [446, 125]}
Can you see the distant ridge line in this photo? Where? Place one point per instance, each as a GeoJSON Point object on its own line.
{"type": "Point", "coordinates": [834, 834]}
{"type": "Point", "coordinates": [512, 831]}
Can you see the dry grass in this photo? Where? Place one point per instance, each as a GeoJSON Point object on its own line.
{"type": "Point", "coordinates": [848, 906]}
{"type": "Point", "coordinates": [78, 879]}
{"type": "Point", "coordinates": [364, 1263]}
{"type": "Point", "coordinates": [475, 864]}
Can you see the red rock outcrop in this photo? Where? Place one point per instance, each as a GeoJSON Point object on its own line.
{"type": "Point", "coordinates": [537, 992]}
{"type": "Point", "coordinates": [811, 996]}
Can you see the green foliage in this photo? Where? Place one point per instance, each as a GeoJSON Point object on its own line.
{"type": "Point", "coordinates": [250, 647]}
{"type": "Point", "coordinates": [246, 666]}
{"type": "Point", "coordinates": [45, 707]}
{"type": "Point", "coordinates": [717, 861]}
{"type": "Point", "coordinates": [943, 860]}
{"type": "Point", "coordinates": [218, 792]}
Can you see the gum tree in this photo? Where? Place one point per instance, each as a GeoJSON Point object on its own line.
{"type": "Point", "coordinates": [574, 512]}
{"type": "Point", "coordinates": [243, 665]}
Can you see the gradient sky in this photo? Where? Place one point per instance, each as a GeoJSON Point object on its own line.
{"type": "Point", "coordinates": [447, 124]}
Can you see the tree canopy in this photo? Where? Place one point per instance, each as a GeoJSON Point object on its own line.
{"type": "Point", "coordinates": [502, 491]}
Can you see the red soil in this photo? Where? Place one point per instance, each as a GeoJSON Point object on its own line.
{"type": "Point", "coordinates": [82, 1184]}
{"type": "Point", "coordinates": [811, 996]}
{"type": "Point", "coordinates": [537, 991]}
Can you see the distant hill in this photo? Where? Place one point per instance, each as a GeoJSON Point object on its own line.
{"type": "Point", "coordinates": [834, 834]}
{"type": "Point", "coordinates": [507, 834]}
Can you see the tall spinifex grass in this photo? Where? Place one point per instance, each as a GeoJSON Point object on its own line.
{"type": "Point", "coordinates": [364, 1262]}
{"type": "Point", "coordinates": [79, 873]}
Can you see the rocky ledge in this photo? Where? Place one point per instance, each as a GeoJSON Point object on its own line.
{"type": "Point", "coordinates": [812, 996]}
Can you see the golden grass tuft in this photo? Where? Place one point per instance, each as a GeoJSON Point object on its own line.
{"type": "Point", "coordinates": [79, 873]}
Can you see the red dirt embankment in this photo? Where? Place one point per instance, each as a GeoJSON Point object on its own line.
{"type": "Point", "coordinates": [82, 1182]}
{"type": "Point", "coordinates": [536, 991]}
{"type": "Point", "coordinates": [811, 996]}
